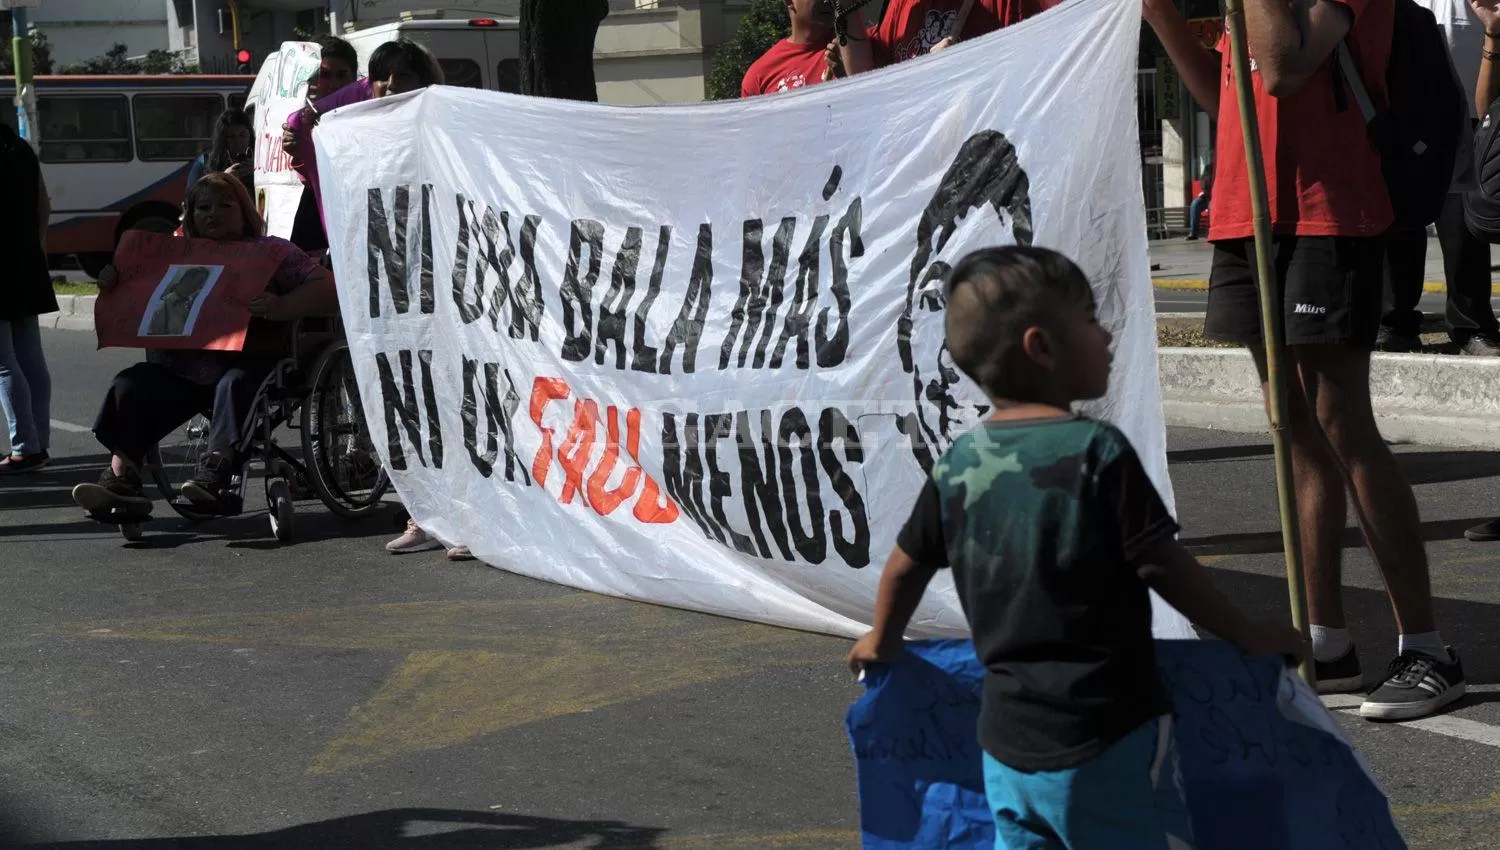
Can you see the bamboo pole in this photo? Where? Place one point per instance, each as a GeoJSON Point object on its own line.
{"type": "Point", "coordinates": [1270, 322]}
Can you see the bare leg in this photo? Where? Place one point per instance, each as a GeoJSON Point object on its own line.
{"type": "Point", "coordinates": [1336, 380]}
{"type": "Point", "coordinates": [1321, 503]}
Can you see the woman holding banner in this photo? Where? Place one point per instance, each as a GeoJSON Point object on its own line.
{"type": "Point", "coordinates": [149, 400]}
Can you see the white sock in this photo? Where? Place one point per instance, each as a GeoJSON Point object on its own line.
{"type": "Point", "coordinates": [1330, 644]}
{"type": "Point", "coordinates": [1427, 643]}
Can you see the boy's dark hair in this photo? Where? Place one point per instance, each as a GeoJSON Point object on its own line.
{"type": "Point", "coordinates": [417, 58]}
{"type": "Point", "coordinates": [994, 296]}
{"type": "Point", "coordinates": [333, 47]}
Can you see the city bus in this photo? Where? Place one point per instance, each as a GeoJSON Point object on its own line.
{"type": "Point", "coordinates": [116, 150]}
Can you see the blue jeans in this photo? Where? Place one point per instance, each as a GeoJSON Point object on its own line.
{"type": "Point", "coordinates": [25, 386]}
{"type": "Point", "coordinates": [1195, 214]}
{"type": "Point", "coordinates": [1128, 797]}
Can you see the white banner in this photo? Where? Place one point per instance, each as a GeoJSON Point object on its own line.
{"type": "Point", "coordinates": [279, 90]}
{"type": "Point", "coordinates": [691, 354]}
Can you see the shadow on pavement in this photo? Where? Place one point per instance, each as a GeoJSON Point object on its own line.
{"type": "Point", "coordinates": [51, 488]}
{"type": "Point", "coordinates": [1468, 626]}
{"type": "Point", "coordinates": [402, 829]}
{"type": "Point", "coordinates": [1269, 542]}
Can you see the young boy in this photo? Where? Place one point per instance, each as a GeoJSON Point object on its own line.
{"type": "Point", "coordinates": [1054, 534]}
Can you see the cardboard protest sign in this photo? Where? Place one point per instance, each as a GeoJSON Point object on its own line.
{"type": "Point", "coordinates": [1263, 765]}
{"type": "Point", "coordinates": [280, 89]}
{"type": "Point", "coordinates": [176, 292]}
{"type": "Point", "coordinates": [705, 364]}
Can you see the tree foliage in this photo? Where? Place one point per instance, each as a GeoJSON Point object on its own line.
{"type": "Point", "coordinates": [557, 47]}
{"type": "Point", "coordinates": [114, 61]}
{"type": "Point", "coordinates": [764, 24]}
{"type": "Point", "coordinates": [41, 50]}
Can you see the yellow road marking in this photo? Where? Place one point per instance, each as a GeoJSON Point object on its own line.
{"type": "Point", "coordinates": [469, 669]}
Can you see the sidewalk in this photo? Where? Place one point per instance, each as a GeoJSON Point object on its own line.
{"type": "Point", "coordinates": [1180, 264]}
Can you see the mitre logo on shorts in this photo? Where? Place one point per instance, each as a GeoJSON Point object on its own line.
{"type": "Point", "coordinates": [1310, 309]}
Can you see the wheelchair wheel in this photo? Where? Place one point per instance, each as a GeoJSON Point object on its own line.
{"type": "Point", "coordinates": [280, 509]}
{"type": "Point", "coordinates": [175, 460]}
{"type": "Point", "coordinates": [342, 465]}
{"type": "Point", "coordinates": [131, 531]}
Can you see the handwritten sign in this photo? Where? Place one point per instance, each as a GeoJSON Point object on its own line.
{"type": "Point", "coordinates": [176, 292]}
{"type": "Point", "coordinates": [1263, 764]}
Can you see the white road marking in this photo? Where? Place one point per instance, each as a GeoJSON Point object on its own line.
{"type": "Point", "coordinates": [1453, 727]}
{"type": "Point", "coordinates": [69, 426]}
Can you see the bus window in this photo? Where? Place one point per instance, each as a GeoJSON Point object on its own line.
{"type": "Point", "coordinates": [461, 72]}
{"type": "Point", "coordinates": [174, 127]}
{"type": "Point", "coordinates": [508, 76]}
{"type": "Point", "coordinates": [84, 128]}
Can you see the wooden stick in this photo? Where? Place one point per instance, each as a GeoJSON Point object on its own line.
{"type": "Point", "coordinates": [1271, 324]}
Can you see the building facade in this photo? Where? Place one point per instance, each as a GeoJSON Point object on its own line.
{"type": "Point", "coordinates": [80, 30]}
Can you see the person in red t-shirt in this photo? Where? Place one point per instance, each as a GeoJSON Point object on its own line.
{"type": "Point", "coordinates": [1329, 210]}
{"type": "Point", "coordinates": [912, 28]}
{"type": "Point", "coordinates": [800, 59]}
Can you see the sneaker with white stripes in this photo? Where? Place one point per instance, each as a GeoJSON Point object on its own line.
{"type": "Point", "coordinates": [1416, 685]}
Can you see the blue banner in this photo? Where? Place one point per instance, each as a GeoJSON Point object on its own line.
{"type": "Point", "coordinates": [1263, 764]}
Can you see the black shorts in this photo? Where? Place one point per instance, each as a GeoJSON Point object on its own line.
{"type": "Point", "coordinates": [1331, 290]}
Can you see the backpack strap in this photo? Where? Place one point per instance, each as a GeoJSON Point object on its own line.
{"type": "Point", "coordinates": [1356, 85]}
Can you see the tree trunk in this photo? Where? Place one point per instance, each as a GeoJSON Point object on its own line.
{"type": "Point", "coordinates": [557, 47]}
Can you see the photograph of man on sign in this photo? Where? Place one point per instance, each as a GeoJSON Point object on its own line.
{"type": "Point", "coordinates": [174, 306]}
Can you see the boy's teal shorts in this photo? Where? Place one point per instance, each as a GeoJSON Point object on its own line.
{"type": "Point", "coordinates": [1128, 797]}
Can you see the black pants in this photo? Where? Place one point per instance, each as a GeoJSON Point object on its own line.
{"type": "Point", "coordinates": [1466, 265]}
{"type": "Point", "coordinates": [148, 401]}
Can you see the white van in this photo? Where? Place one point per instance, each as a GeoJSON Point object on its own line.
{"type": "Point", "coordinates": [480, 53]}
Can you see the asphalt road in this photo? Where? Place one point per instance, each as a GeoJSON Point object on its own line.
{"type": "Point", "coordinates": [209, 689]}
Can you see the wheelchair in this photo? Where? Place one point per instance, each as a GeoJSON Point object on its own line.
{"type": "Point", "coordinates": [312, 392]}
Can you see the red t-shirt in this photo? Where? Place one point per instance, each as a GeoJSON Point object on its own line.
{"type": "Point", "coordinates": [1322, 173]}
{"type": "Point", "coordinates": [787, 65]}
{"type": "Point", "coordinates": [911, 27]}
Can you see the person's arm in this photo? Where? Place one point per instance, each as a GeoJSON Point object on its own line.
{"type": "Point", "coordinates": [921, 550]}
{"type": "Point", "coordinates": [1291, 41]}
{"type": "Point", "coordinates": [857, 56]}
{"type": "Point", "coordinates": [1488, 12]}
{"type": "Point", "coordinates": [317, 296]}
{"type": "Point", "coordinates": [1198, 66]}
{"type": "Point", "coordinates": [1173, 572]}
{"type": "Point", "coordinates": [901, 587]}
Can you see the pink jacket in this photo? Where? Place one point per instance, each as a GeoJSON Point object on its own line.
{"type": "Point", "coordinates": [306, 161]}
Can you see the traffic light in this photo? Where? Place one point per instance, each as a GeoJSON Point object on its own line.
{"type": "Point", "coordinates": [243, 57]}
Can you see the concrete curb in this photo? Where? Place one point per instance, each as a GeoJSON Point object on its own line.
{"type": "Point", "coordinates": [1427, 398]}
{"type": "Point", "coordinates": [74, 313]}
{"type": "Point", "coordinates": [1198, 284]}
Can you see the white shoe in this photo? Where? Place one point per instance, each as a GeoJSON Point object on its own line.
{"type": "Point", "coordinates": [414, 540]}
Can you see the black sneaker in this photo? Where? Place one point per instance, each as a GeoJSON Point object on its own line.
{"type": "Point", "coordinates": [1416, 685]}
{"type": "Point", "coordinates": [1484, 532]}
{"type": "Point", "coordinates": [212, 481]}
{"type": "Point", "coordinates": [17, 464]}
{"type": "Point", "coordinates": [1389, 340]}
{"type": "Point", "coordinates": [1341, 675]}
{"type": "Point", "coordinates": [123, 492]}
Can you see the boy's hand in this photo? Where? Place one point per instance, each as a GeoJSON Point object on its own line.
{"type": "Point", "coordinates": [1271, 638]}
{"type": "Point", "coordinates": [943, 45]}
{"type": "Point", "coordinates": [871, 650]}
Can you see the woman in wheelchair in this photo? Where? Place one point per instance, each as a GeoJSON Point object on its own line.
{"type": "Point", "coordinates": [150, 400]}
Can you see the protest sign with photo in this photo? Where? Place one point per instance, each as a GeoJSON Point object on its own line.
{"type": "Point", "coordinates": [280, 89]}
{"type": "Point", "coordinates": [693, 354]}
{"type": "Point", "coordinates": [176, 292]}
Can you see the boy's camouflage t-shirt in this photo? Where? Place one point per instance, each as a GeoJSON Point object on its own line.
{"type": "Point", "coordinates": [1042, 522]}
